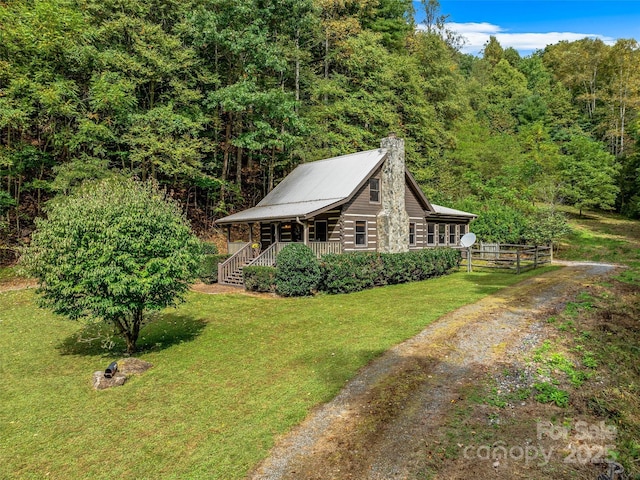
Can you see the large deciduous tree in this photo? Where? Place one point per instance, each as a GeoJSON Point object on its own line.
{"type": "Point", "coordinates": [113, 250]}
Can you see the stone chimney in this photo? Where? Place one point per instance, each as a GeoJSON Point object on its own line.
{"type": "Point", "coordinates": [393, 220]}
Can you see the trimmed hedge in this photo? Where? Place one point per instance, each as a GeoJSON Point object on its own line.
{"type": "Point", "coordinates": [352, 272]}
{"type": "Point", "coordinates": [209, 267]}
{"type": "Point", "coordinates": [259, 279]}
{"type": "Point", "coordinates": [298, 272]}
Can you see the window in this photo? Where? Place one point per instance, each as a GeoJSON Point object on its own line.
{"type": "Point", "coordinates": [374, 190]}
{"type": "Point", "coordinates": [412, 233]}
{"type": "Point", "coordinates": [284, 231]}
{"type": "Point", "coordinates": [431, 233]}
{"type": "Point", "coordinates": [297, 232]}
{"type": "Point", "coordinates": [320, 231]}
{"type": "Point", "coordinates": [463, 230]}
{"type": "Point", "coordinates": [442, 234]}
{"type": "Point", "coordinates": [452, 234]}
{"type": "Point", "coordinates": [361, 234]}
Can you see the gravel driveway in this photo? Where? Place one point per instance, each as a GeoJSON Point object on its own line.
{"type": "Point", "coordinates": [379, 424]}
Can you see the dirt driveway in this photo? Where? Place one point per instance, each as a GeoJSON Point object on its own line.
{"type": "Point", "coordinates": [379, 426]}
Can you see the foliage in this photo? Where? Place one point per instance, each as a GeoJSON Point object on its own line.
{"type": "Point", "coordinates": [6, 202]}
{"type": "Point", "coordinates": [114, 250]}
{"type": "Point", "coordinates": [549, 393]}
{"type": "Point", "coordinates": [588, 173]}
{"type": "Point", "coordinates": [220, 100]}
{"type": "Point", "coordinates": [499, 223]}
{"type": "Point", "coordinates": [352, 272]}
{"type": "Point", "coordinates": [209, 248]}
{"type": "Point", "coordinates": [259, 279]}
{"type": "Point", "coordinates": [529, 224]}
{"type": "Point", "coordinates": [209, 267]}
{"type": "Point", "coordinates": [298, 272]}
{"type": "Point", "coordinates": [545, 226]}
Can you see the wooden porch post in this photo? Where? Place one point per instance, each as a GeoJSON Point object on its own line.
{"type": "Point", "coordinates": [250, 232]}
{"type": "Point", "coordinates": [229, 232]}
{"type": "Point", "coordinates": [305, 235]}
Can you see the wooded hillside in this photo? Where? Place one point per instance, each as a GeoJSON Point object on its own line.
{"type": "Point", "coordinates": [219, 100]}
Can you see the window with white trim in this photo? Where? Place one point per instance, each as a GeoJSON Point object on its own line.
{"type": "Point", "coordinates": [452, 234]}
{"type": "Point", "coordinates": [361, 234]}
{"type": "Point", "coordinates": [442, 234]}
{"type": "Point", "coordinates": [431, 233]}
{"type": "Point", "coordinates": [374, 190]}
{"type": "Point", "coordinates": [412, 234]}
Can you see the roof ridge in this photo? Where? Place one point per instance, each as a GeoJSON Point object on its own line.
{"type": "Point", "coordinates": [343, 156]}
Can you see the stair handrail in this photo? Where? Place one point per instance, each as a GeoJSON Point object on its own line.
{"type": "Point", "coordinates": [234, 262]}
{"type": "Point", "coordinates": [268, 257]}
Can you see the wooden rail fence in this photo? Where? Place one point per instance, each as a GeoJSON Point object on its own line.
{"type": "Point", "coordinates": [508, 257]}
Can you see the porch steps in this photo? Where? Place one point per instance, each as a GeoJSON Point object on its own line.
{"type": "Point", "coordinates": [235, 277]}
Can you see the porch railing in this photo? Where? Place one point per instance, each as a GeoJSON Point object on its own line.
{"type": "Point", "coordinates": [322, 248]}
{"type": "Point", "coordinates": [268, 257]}
{"type": "Point", "coordinates": [235, 247]}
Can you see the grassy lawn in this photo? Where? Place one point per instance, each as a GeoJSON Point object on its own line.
{"type": "Point", "coordinates": [231, 372]}
{"type": "Point", "coordinates": [603, 238]}
{"type": "Point", "coordinates": [7, 274]}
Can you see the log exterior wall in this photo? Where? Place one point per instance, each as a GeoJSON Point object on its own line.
{"type": "Point", "coordinates": [361, 209]}
{"type": "Point", "coordinates": [417, 217]}
{"type": "Point", "coordinates": [332, 218]}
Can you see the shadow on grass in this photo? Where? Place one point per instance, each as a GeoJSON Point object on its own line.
{"type": "Point", "coordinates": [160, 333]}
{"type": "Point", "coordinates": [334, 367]}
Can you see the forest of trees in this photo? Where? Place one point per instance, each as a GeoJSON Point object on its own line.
{"type": "Point", "coordinates": [220, 99]}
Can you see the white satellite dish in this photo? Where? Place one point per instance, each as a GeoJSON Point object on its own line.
{"type": "Point", "coordinates": [468, 240]}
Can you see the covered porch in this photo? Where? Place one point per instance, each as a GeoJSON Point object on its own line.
{"type": "Point", "coordinates": [266, 239]}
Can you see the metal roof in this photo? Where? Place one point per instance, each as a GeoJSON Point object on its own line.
{"type": "Point", "coordinates": [313, 187]}
{"type": "Point", "coordinates": [450, 211]}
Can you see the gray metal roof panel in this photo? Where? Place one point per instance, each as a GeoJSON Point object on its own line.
{"type": "Point", "coordinates": [450, 211]}
{"type": "Point", "coordinates": [313, 186]}
{"type": "Point", "coordinates": [273, 212]}
{"type": "Point", "coordinates": [333, 178]}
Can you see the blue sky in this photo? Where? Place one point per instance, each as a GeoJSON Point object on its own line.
{"type": "Point", "coordinates": [528, 25]}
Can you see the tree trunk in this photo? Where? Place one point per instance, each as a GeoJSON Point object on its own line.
{"type": "Point", "coordinates": [227, 145]}
{"type": "Point", "coordinates": [239, 152]}
{"type": "Point", "coordinates": [326, 63]}
{"type": "Point", "coordinates": [297, 69]}
{"type": "Point", "coordinates": [271, 170]}
{"type": "Point", "coordinates": [130, 330]}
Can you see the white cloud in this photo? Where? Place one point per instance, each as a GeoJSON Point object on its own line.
{"type": "Point", "coordinates": [476, 35]}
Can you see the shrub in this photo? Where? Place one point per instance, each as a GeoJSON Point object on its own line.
{"type": "Point", "coordinates": [545, 226]}
{"type": "Point", "coordinates": [259, 279]}
{"type": "Point", "coordinates": [298, 272]}
{"type": "Point", "coordinates": [209, 267]}
{"type": "Point", "coordinates": [352, 272]}
{"type": "Point", "coordinates": [209, 248]}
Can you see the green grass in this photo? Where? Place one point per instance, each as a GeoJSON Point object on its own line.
{"type": "Point", "coordinates": [8, 274]}
{"type": "Point", "coordinates": [231, 373]}
{"type": "Point", "coordinates": [603, 237]}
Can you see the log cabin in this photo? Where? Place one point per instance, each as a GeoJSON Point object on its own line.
{"type": "Point", "coordinates": [364, 201]}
